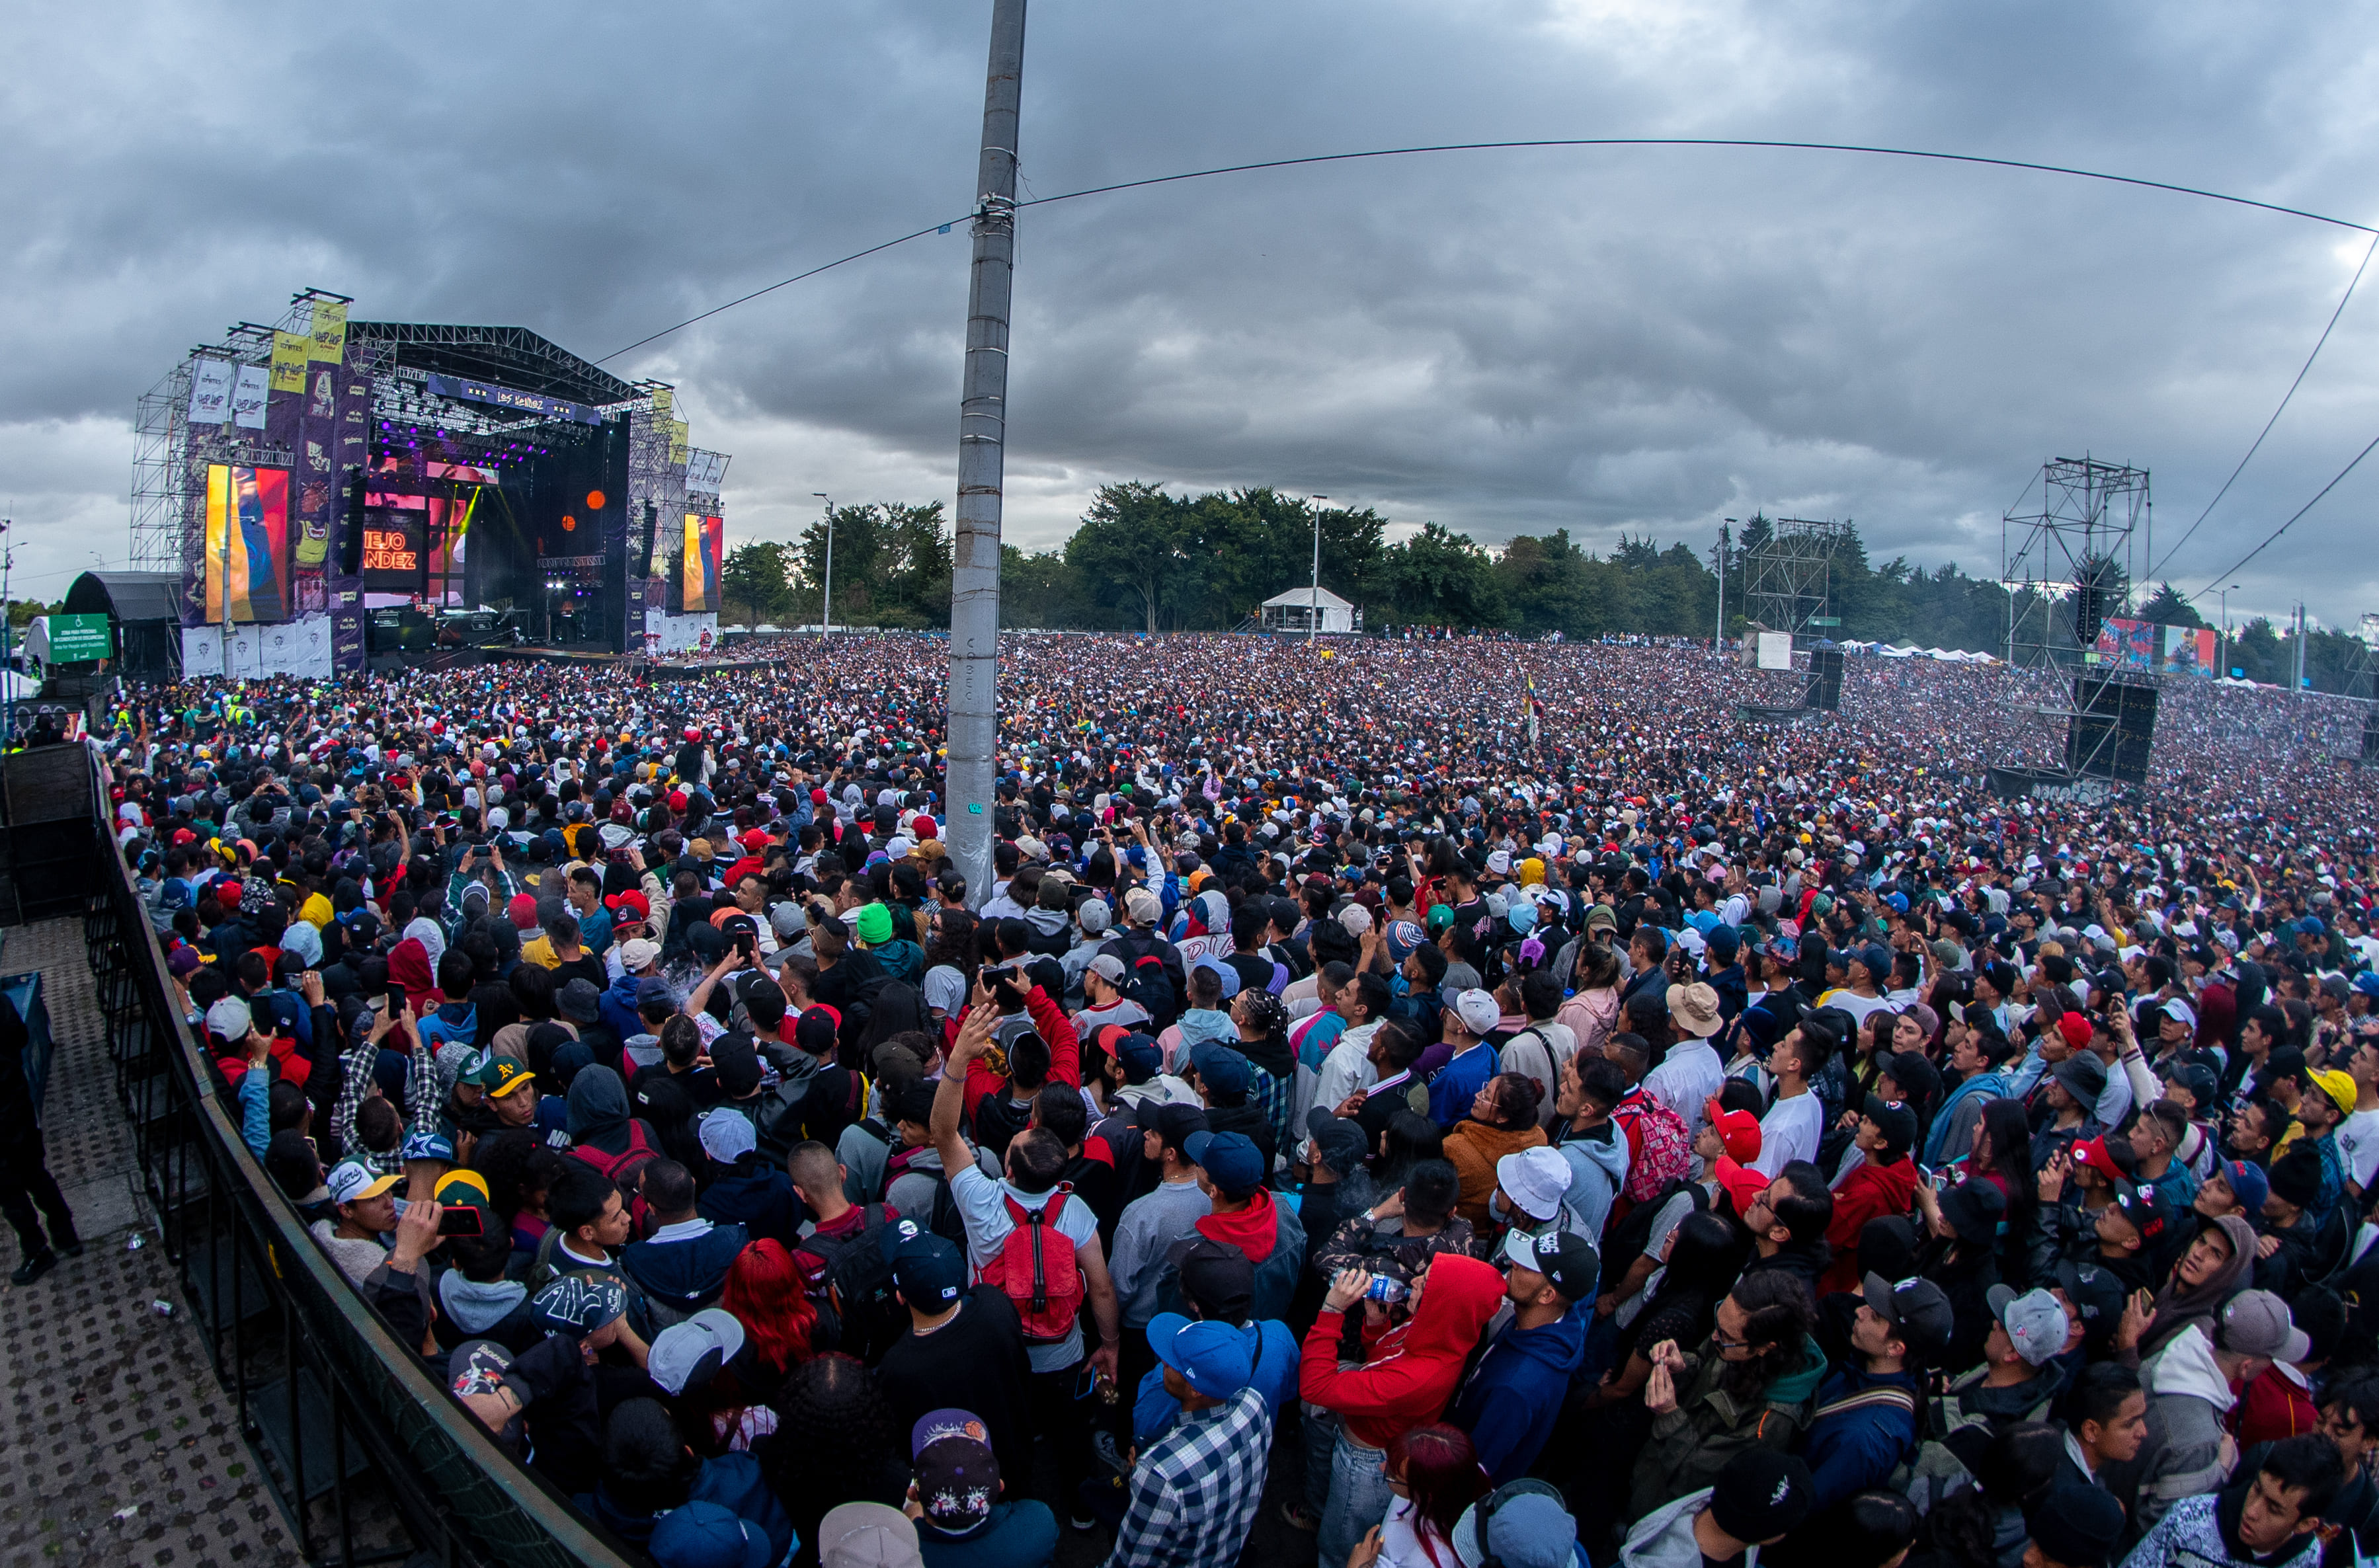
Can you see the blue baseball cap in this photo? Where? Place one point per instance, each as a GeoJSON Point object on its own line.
{"type": "Point", "coordinates": [1230, 1160]}
{"type": "Point", "coordinates": [703, 1534]}
{"type": "Point", "coordinates": [1219, 1068]}
{"type": "Point", "coordinates": [1212, 1357]}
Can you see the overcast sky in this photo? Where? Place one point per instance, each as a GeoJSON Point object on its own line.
{"type": "Point", "coordinates": [1639, 341]}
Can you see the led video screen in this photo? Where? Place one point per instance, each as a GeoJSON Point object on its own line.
{"type": "Point", "coordinates": [248, 544]}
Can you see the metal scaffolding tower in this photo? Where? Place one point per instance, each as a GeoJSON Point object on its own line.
{"type": "Point", "coordinates": [1792, 573]}
{"type": "Point", "coordinates": [2070, 564]}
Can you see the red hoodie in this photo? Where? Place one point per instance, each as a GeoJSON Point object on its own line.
{"type": "Point", "coordinates": [1049, 1021]}
{"type": "Point", "coordinates": [1869, 1192]}
{"type": "Point", "coordinates": [1253, 1230]}
{"type": "Point", "coordinates": [1415, 1367]}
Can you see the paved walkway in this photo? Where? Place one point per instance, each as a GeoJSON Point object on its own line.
{"type": "Point", "coordinates": [116, 1444]}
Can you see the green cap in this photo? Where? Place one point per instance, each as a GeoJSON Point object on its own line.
{"type": "Point", "coordinates": [874, 925]}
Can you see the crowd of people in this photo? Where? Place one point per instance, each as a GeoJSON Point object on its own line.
{"type": "Point", "coordinates": [1349, 1114]}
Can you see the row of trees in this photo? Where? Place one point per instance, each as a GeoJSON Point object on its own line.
{"type": "Point", "coordinates": [1148, 560]}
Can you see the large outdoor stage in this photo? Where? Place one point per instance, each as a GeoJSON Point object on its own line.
{"type": "Point", "coordinates": [335, 495]}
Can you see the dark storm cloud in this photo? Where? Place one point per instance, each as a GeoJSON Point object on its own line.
{"type": "Point", "coordinates": [1609, 340]}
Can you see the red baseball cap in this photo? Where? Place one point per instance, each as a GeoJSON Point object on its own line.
{"type": "Point", "coordinates": [620, 902]}
{"type": "Point", "coordinates": [2076, 1030]}
{"type": "Point", "coordinates": [2093, 1154]}
{"type": "Point", "coordinates": [1739, 1130]}
{"type": "Point", "coordinates": [1741, 1184]}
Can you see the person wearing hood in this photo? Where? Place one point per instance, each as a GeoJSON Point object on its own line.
{"type": "Point", "coordinates": [2269, 1519]}
{"type": "Point", "coordinates": [2210, 1270]}
{"type": "Point", "coordinates": [408, 966]}
{"type": "Point", "coordinates": [1206, 1018]}
{"type": "Point", "coordinates": [2193, 1386]}
{"type": "Point", "coordinates": [1515, 1392]}
{"type": "Point", "coordinates": [1410, 1372]}
{"type": "Point", "coordinates": [1880, 1184]}
{"type": "Point", "coordinates": [1244, 1215]}
{"type": "Point", "coordinates": [1752, 1385]}
{"type": "Point", "coordinates": [601, 1132]}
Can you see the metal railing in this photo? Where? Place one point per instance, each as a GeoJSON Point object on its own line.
{"type": "Point", "coordinates": [340, 1410]}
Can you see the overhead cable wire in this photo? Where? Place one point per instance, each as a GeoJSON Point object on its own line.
{"type": "Point", "coordinates": [2275, 419]}
{"type": "Point", "coordinates": [1749, 142]}
{"type": "Point", "coordinates": [2236, 565]}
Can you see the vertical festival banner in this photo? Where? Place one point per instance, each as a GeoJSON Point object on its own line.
{"type": "Point", "coordinates": [350, 446]}
{"type": "Point", "coordinates": [247, 543]}
{"type": "Point", "coordinates": [289, 350]}
{"type": "Point", "coordinates": [327, 343]}
{"type": "Point", "coordinates": [250, 389]}
{"type": "Point", "coordinates": [209, 390]}
{"type": "Point", "coordinates": [316, 445]}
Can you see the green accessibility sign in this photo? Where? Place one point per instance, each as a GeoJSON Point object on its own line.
{"type": "Point", "coordinates": [74, 638]}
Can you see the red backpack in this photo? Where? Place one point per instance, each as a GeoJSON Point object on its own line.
{"type": "Point", "coordinates": [624, 1167]}
{"type": "Point", "coordinates": [1036, 1270]}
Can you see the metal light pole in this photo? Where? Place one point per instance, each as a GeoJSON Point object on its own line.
{"type": "Point", "coordinates": [973, 693]}
{"type": "Point", "coordinates": [1725, 539]}
{"type": "Point", "coordinates": [825, 606]}
{"type": "Point", "coordinates": [2224, 672]}
{"type": "Point", "coordinates": [1314, 609]}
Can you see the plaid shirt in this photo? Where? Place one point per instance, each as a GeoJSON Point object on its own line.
{"type": "Point", "coordinates": [1196, 1489]}
{"type": "Point", "coordinates": [354, 1086]}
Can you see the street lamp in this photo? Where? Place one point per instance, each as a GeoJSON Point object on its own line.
{"type": "Point", "coordinates": [826, 604]}
{"type": "Point", "coordinates": [2224, 670]}
{"type": "Point", "coordinates": [1313, 610]}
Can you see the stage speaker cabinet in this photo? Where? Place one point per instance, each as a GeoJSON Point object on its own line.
{"type": "Point", "coordinates": [2112, 730]}
{"type": "Point", "coordinates": [2370, 736]}
{"type": "Point", "coordinates": [1826, 678]}
{"type": "Point", "coordinates": [351, 532]}
{"type": "Point", "coordinates": [644, 545]}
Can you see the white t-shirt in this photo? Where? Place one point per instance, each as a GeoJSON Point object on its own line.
{"type": "Point", "coordinates": [2358, 1140]}
{"type": "Point", "coordinates": [1858, 1007]}
{"type": "Point", "coordinates": [1791, 1130]}
{"type": "Point", "coordinates": [983, 1211]}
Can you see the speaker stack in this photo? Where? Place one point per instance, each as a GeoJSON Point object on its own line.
{"type": "Point", "coordinates": [2112, 730]}
{"type": "Point", "coordinates": [1825, 677]}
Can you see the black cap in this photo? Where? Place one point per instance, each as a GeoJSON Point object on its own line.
{"type": "Point", "coordinates": [1973, 1210]}
{"type": "Point", "coordinates": [2076, 1525]}
{"type": "Point", "coordinates": [1172, 1123]}
{"type": "Point", "coordinates": [1898, 1125]}
{"type": "Point", "coordinates": [1916, 1310]}
{"type": "Point", "coordinates": [1761, 1495]}
{"type": "Point", "coordinates": [736, 1063]}
{"type": "Point", "coordinates": [2145, 1207]}
{"type": "Point", "coordinates": [1337, 1140]}
{"type": "Point", "coordinates": [1216, 1276]}
{"type": "Point", "coordinates": [2097, 1298]}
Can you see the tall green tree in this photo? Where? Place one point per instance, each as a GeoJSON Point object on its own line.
{"type": "Point", "coordinates": [756, 578]}
{"type": "Point", "coordinates": [2170, 607]}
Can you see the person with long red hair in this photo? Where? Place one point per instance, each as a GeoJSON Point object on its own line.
{"type": "Point", "coordinates": [1436, 1475]}
{"type": "Point", "coordinates": [765, 1293]}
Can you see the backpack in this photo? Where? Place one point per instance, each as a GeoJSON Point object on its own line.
{"type": "Point", "coordinates": [626, 1165]}
{"type": "Point", "coordinates": [860, 1275]}
{"type": "Point", "coordinates": [816, 1108]}
{"type": "Point", "coordinates": [943, 1219]}
{"type": "Point", "coordinates": [1629, 1237]}
{"type": "Point", "coordinates": [1036, 1270]}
